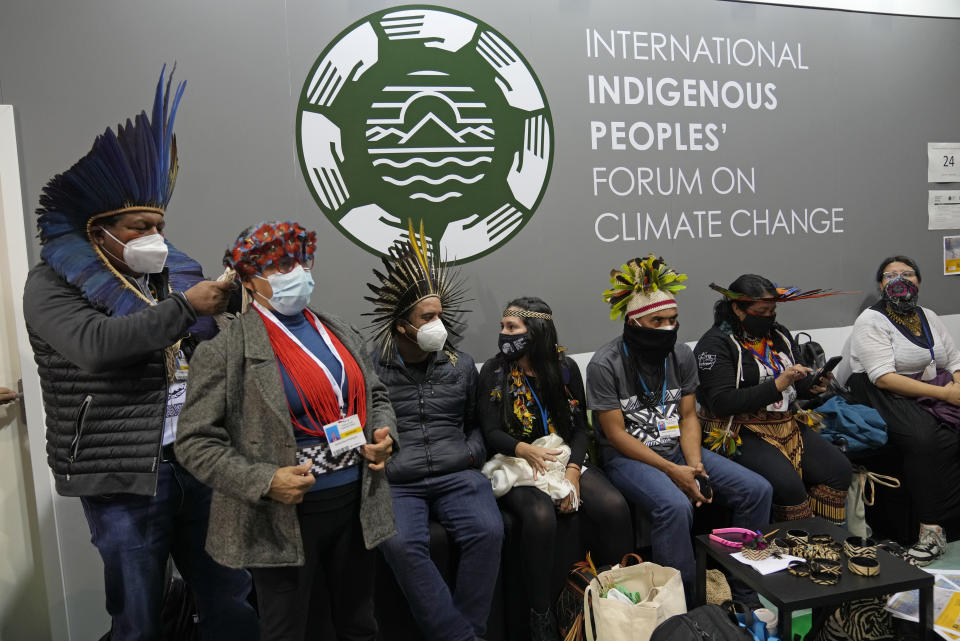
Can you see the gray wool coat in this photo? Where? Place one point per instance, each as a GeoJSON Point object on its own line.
{"type": "Point", "coordinates": [234, 433]}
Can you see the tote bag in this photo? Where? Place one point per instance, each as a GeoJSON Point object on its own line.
{"type": "Point", "coordinates": [661, 597]}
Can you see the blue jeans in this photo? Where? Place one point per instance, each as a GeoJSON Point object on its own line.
{"type": "Point", "coordinates": [463, 503]}
{"type": "Point", "coordinates": [136, 534]}
{"type": "Point", "coordinates": [747, 493]}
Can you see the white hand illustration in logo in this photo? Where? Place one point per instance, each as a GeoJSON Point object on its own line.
{"type": "Point", "coordinates": [468, 236]}
{"type": "Point", "coordinates": [442, 30]}
{"type": "Point", "coordinates": [517, 83]}
{"type": "Point", "coordinates": [356, 50]}
{"type": "Point", "coordinates": [374, 227]}
{"type": "Point", "coordinates": [526, 183]}
{"type": "Point", "coordinates": [320, 139]}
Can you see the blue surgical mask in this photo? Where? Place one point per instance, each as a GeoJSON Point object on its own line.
{"type": "Point", "coordinates": [291, 291]}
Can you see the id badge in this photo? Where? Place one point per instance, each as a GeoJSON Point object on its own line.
{"type": "Point", "coordinates": [669, 428]}
{"type": "Point", "coordinates": [929, 372]}
{"type": "Point", "coordinates": [181, 367]}
{"type": "Point", "coordinates": [345, 434]}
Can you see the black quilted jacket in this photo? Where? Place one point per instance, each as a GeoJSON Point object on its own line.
{"type": "Point", "coordinates": [435, 418]}
{"type": "Point", "coordinates": [104, 383]}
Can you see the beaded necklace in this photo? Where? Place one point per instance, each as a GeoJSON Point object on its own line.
{"type": "Point", "coordinates": [910, 320]}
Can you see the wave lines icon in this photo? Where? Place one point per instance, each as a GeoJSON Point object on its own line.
{"type": "Point", "coordinates": [422, 137]}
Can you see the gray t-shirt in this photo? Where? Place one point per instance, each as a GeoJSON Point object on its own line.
{"type": "Point", "coordinates": [609, 387]}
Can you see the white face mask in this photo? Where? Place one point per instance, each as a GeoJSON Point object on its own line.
{"type": "Point", "coordinates": [432, 336]}
{"type": "Point", "coordinates": [144, 254]}
{"type": "Point", "coordinates": [291, 291]}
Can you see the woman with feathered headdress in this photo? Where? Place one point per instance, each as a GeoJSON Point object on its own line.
{"type": "Point", "coordinates": [750, 376]}
{"type": "Point", "coordinates": [284, 409]}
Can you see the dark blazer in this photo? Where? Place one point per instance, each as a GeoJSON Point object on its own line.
{"type": "Point", "coordinates": [235, 431]}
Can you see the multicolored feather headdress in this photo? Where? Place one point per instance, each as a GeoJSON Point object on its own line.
{"type": "Point", "coordinates": [411, 275]}
{"type": "Point", "coordinates": [784, 294]}
{"type": "Point", "coordinates": [134, 169]}
{"type": "Point", "coordinates": [642, 286]}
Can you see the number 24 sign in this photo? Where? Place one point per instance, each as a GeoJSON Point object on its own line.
{"type": "Point", "coordinates": [942, 165]}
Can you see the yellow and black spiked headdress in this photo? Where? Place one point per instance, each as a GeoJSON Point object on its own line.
{"type": "Point", "coordinates": [411, 274]}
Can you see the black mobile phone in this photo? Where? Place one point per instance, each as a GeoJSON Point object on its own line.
{"type": "Point", "coordinates": [826, 369]}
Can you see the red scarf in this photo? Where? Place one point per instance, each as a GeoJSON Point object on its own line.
{"type": "Point", "coordinates": [312, 384]}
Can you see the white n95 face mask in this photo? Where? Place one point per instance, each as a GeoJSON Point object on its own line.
{"type": "Point", "coordinates": [432, 336]}
{"type": "Point", "coordinates": [291, 291]}
{"type": "Point", "coordinates": [144, 254]}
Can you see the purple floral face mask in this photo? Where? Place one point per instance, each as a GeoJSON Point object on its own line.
{"type": "Point", "coordinates": [901, 294]}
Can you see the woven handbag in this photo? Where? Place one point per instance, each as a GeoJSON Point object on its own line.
{"type": "Point", "coordinates": [569, 610]}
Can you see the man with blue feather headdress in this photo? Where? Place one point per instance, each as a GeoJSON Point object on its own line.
{"type": "Point", "coordinates": [114, 311]}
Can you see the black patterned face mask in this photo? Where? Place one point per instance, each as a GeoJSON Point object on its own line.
{"type": "Point", "coordinates": [513, 346]}
{"type": "Point", "coordinates": [901, 294]}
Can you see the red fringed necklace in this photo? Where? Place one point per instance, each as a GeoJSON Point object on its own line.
{"type": "Point", "coordinates": [319, 392]}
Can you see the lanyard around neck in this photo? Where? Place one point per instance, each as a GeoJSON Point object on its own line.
{"type": "Point", "coordinates": [927, 334]}
{"type": "Point", "coordinates": [543, 411]}
{"type": "Point", "coordinates": [337, 387]}
{"type": "Point", "coordinates": [769, 356]}
{"type": "Point", "coordinates": [646, 390]}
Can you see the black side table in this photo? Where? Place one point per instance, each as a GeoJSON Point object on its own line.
{"type": "Point", "coordinates": [790, 593]}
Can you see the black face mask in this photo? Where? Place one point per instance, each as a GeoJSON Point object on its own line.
{"type": "Point", "coordinates": [650, 344]}
{"type": "Point", "coordinates": [758, 326]}
{"type": "Point", "coordinates": [513, 346]}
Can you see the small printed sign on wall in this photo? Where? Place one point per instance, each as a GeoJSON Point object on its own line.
{"type": "Point", "coordinates": [943, 162]}
{"type": "Point", "coordinates": [951, 255]}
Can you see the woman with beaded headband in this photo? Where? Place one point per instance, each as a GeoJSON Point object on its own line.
{"type": "Point", "coordinates": [750, 376]}
{"type": "Point", "coordinates": [903, 362]}
{"type": "Point", "coordinates": [287, 408]}
{"type": "Point", "coordinates": [530, 390]}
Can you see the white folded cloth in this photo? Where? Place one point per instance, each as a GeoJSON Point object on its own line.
{"type": "Point", "coordinates": [505, 472]}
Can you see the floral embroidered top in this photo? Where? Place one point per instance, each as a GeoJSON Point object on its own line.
{"type": "Point", "coordinates": [500, 383]}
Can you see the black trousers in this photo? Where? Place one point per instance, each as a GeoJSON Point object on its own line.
{"type": "Point", "coordinates": [930, 450]}
{"type": "Point", "coordinates": [822, 464]}
{"type": "Point", "coordinates": [335, 559]}
{"type": "Point", "coordinates": [605, 520]}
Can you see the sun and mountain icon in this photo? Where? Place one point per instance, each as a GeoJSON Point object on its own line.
{"type": "Point", "coordinates": [430, 139]}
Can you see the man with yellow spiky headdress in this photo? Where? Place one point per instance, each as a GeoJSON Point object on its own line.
{"type": "Point", "coordinates": [432, 387]}
{"type": "Point", "coordinates": [641, 388]}
{"type": "Point", "coordinates": [114, 311]}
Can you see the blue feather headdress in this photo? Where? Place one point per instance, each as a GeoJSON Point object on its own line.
{"type": "Point", "coordinates": [134, 169]}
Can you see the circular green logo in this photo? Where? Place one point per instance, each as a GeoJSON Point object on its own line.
{"type": "Point", "coordinates": [422, 113]}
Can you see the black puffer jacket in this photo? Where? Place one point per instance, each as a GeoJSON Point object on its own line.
{"type": "Point", "coordinates": [435, 419]}
{"type": "Point", "coordinates": [104, 383]}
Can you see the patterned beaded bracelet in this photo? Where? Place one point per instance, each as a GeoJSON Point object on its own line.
{"type": "Point", "coordinates": [799, 568]}
{"type": "Point", "coordinates": [864, 565]}
{"type": "Point", "coordinates": [860, 546]}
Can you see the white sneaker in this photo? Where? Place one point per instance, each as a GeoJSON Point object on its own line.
{"type": "Point", "coordinates": [930, 547]}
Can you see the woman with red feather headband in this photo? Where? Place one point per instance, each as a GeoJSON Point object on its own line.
{"type": "Point", "coordinates": [749, 379]}
{"type": "Point", "coordinates": [286, 406]}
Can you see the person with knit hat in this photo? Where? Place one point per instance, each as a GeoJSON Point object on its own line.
{"type": "Point", "coordinates": [288, 423]}
{"type": "Point", "coordinates": [641, 387]}
{"type": "Point", "coordinates": [114, 313]}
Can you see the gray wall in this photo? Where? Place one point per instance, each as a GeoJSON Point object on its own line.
{"type": "Point", "coordinates": [849, 132]}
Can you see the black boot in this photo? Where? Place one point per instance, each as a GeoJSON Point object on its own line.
{"type": "Point", "coordinates": [543, 626]}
